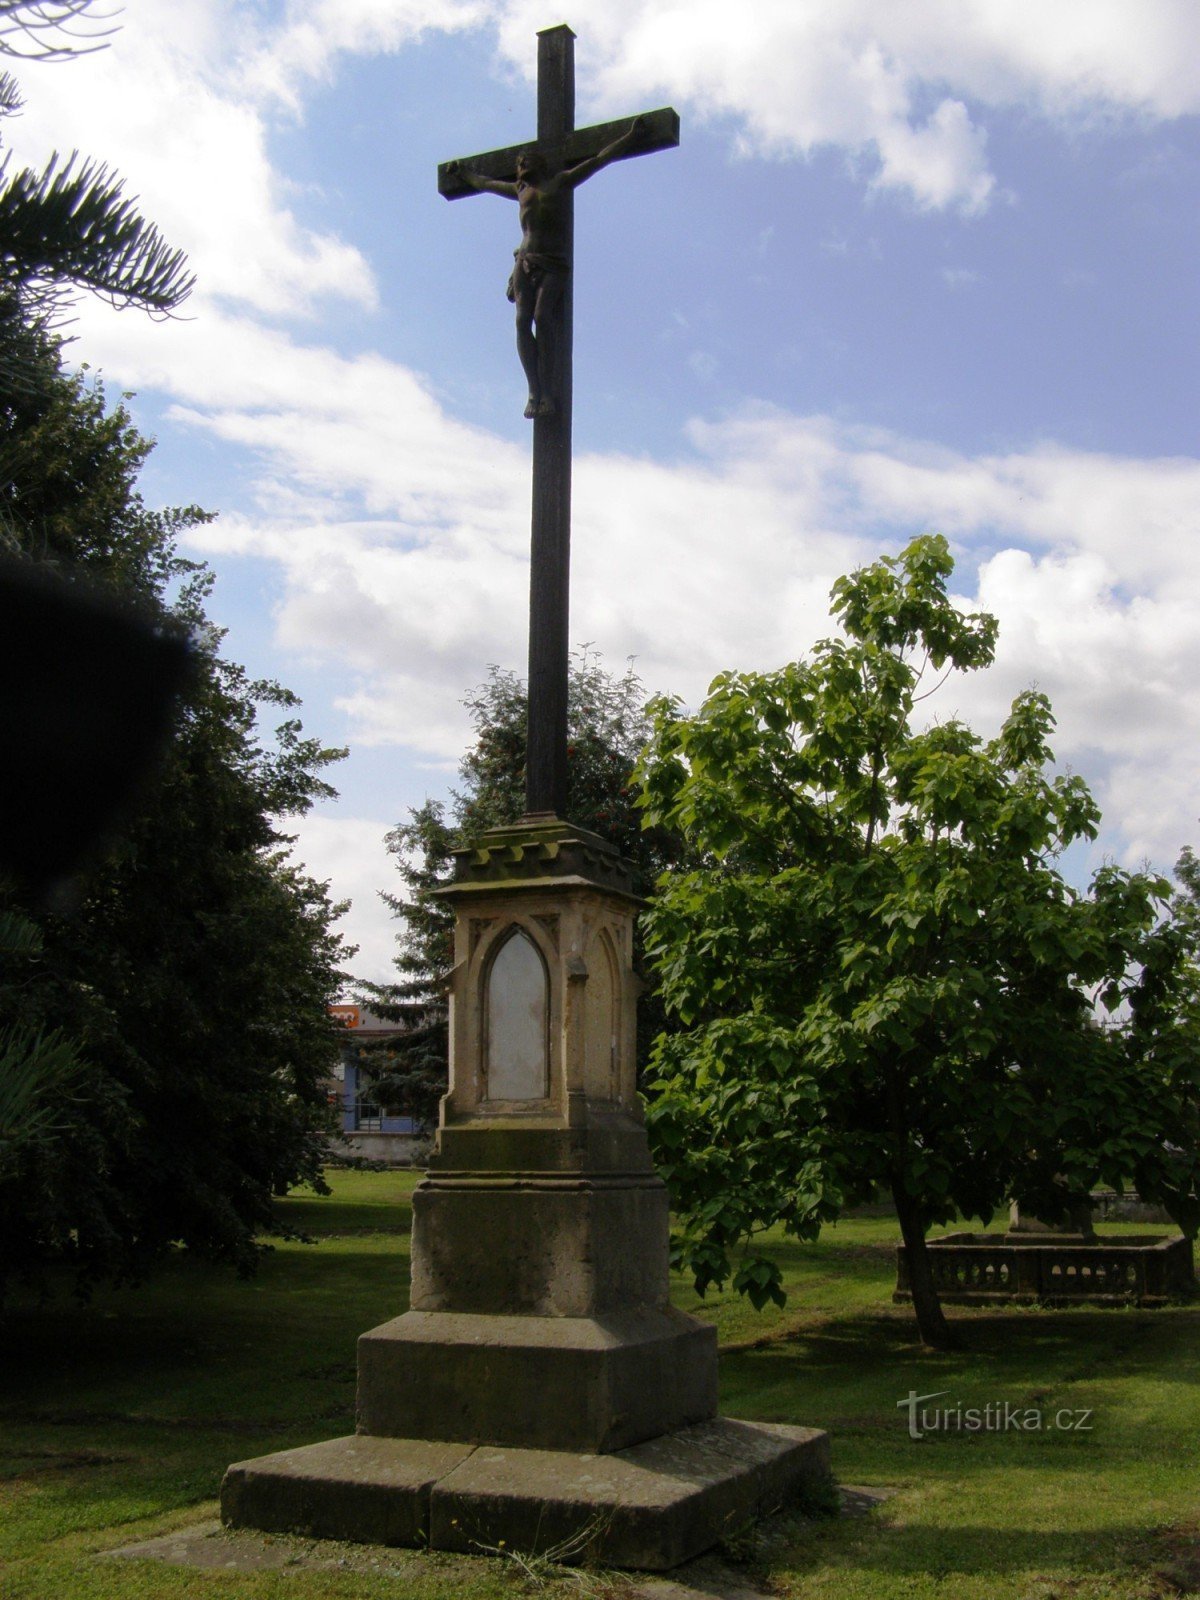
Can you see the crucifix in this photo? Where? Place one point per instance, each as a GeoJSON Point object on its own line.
{"type": "Point", "coordinates": [542, 176]}
{"type": "Point", "coordinates": [540, 1392]}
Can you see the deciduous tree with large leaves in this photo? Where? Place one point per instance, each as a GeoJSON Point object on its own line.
{"type": "Point", "coordinates": [1159, 1104]}
{"type": "Point", "coordinates": [879, 974]}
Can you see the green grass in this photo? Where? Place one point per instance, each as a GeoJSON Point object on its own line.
{"type": "Point", "coordinates": [117, 1420]}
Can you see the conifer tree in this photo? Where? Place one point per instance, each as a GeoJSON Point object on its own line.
{"type": "Point", "coordinates": [69, 226]}
{"type": "Point", "coordinates": [177, 999]}
{"type": "Point", "coordinates": [607, 726]}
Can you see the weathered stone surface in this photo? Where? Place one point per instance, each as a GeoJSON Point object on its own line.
{"type": "Point", "coordinates": [651, 1506]}
{"type": "Point", "coordinates": [605, 1140]}
{"type": "Point", "coordinates": [582, 935]}
{"type": "Point", "coordinates": [352, 1488]}
{"type": "Point", "coordinates": [517, 1013]}
{"type": "Point", "coordinates": [549, 1383]}
{"type": "Point", "coordinates": [540, 850]}
{"type": "Point", "coordinates": [1110, 1206]}
{"type": "Point", "coordinates": [983, 1269]}
{"type": "Point", "coordinates": [1077, 1225]}
{"type": "Point", "coordinates": [540, 1245]}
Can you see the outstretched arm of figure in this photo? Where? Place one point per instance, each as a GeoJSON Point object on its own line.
{"type": "Point", "coordinates": [476, 180]}
{"type": "Point", "coordinates": [613, 152]}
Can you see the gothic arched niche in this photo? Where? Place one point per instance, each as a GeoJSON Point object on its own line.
{"type": "Point", "coordinates": [516, 1006]}
{"type": "Point", "coordinates": [602, 999]}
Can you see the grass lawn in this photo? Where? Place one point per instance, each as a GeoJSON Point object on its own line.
{"type": "Point", "coordinates": [118, 1419]}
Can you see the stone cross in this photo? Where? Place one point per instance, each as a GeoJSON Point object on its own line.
{"type": "Point", "coordinates": [560, 148]}
{"type": "Point", "coordinates": [541, 1392]}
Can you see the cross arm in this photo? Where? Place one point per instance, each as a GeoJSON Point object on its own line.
{"type": "Point", "coordinates": [659, 131]}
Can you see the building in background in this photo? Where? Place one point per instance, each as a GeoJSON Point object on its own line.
{"type": "Point", "coordinates": [367, 1129]}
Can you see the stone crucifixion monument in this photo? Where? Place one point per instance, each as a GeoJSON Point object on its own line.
{"type": "Point", "coordinates": [541, 1391]}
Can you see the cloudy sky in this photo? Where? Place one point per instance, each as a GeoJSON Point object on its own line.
{"type": "Point", "coordinates": [914, 267]}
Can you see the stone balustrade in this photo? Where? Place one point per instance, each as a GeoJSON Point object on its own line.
{"type": "Point", "coordinates": [985, 1269]}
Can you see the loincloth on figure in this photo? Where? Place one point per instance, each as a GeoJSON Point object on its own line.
{"type": "Point", "coordinates": [535, 266]}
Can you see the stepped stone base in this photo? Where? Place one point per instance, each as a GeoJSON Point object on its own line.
{"type": "Point", "coordinates": [540, 1394]}
{"type": "Point", "coordinates": [650, 1506]}
{"type": "Point", "coordinates": [549, 1383]}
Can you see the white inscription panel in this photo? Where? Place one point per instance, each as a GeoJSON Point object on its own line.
{"type": "Point", "coordinates": [517, 1009]}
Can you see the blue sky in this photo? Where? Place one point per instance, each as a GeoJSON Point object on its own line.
{"type": "Point", "coordinates": [913, 267]}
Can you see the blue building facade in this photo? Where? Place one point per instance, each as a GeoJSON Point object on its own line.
{"type": "Point", "coordinates": [360, 1114]}
{"type": "Point", "coordinates": [364, 1121]}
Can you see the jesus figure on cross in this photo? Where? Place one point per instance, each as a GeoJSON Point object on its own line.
{"type": "Point", "coordinates": [540, 263]}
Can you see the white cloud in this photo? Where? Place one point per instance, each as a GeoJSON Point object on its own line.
{"type": "Point", "coordinates": [182, 103]}
{"type": "Point", "coordinates": [940, 162]}
{"type": "Point", "coordinates": [800, 71]}
{"type": "Point", "coordinates": [349, 854]}
{"type": "Point", "coordinates": [325, 422]}
{"type": "Point", "coordinates": [888, 83]}
{"type": "Point", "coordinates": [1068, 59]}
{"type": "Point", "coordinates": [159, 107]}
{"type": "Point", "coordinates": [315, 32]}
{"type": "Point", "coordinates": [397, 565]}
{"type": "Point", "coordinates": [408, 577]}
{"type": "Point", "coordinates": [795, 76]}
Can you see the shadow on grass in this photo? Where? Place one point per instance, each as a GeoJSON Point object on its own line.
{"type": "Point", "coordinates": [360, 1202]}
{"type": "Point", "coordinates": [197, 1348]}
{"type": "Point", "coordinates": [856, 1372]}
{"type": "Point", "coordinates": [861, 1342]}
{"type": "Point", "coordinates": [322, 1218]}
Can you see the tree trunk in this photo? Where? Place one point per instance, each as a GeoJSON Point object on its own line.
{"type": "Point", "coordinates": [931, 1319]}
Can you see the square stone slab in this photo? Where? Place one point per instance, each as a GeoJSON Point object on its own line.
{"type": "Point", "coordinates": [651, 1506]}
{"type": "Point", "coordinates": [550, 1383]}
{"type": "Point", "coordinates": [356, 1488]}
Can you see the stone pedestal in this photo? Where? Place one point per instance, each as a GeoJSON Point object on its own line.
{"type": "Point", "coordinates": [1077, 1227]}
{"type": "Point", "coordinates": [541, 1385]}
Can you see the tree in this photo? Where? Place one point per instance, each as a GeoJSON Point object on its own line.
{"type": "Point", "coordinates": [1158, 1108]}
{"type": "Point", "coordinates": [70, 226]}
{"type": "Point", "coordinates": [43, 30]}
{"type": "Point", "coordinates": [67, 227]}
{"type": "Point", "coordinates": [36, 1067]}
{"type": "Point", "coordinates": [879, 975]}
{"type": "Point", "coordinates": [607, 726]}
{"type": "Point", "coordinates": [192, 974]}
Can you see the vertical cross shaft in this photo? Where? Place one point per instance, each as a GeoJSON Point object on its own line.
{"type": "Point", "coordinates": [550, 576]}
{"type": "Point", "coordinates": [561, 157]}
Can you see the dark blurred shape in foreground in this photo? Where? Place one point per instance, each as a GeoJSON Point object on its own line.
{"type": "Point", "coordinates": [87, 692]}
